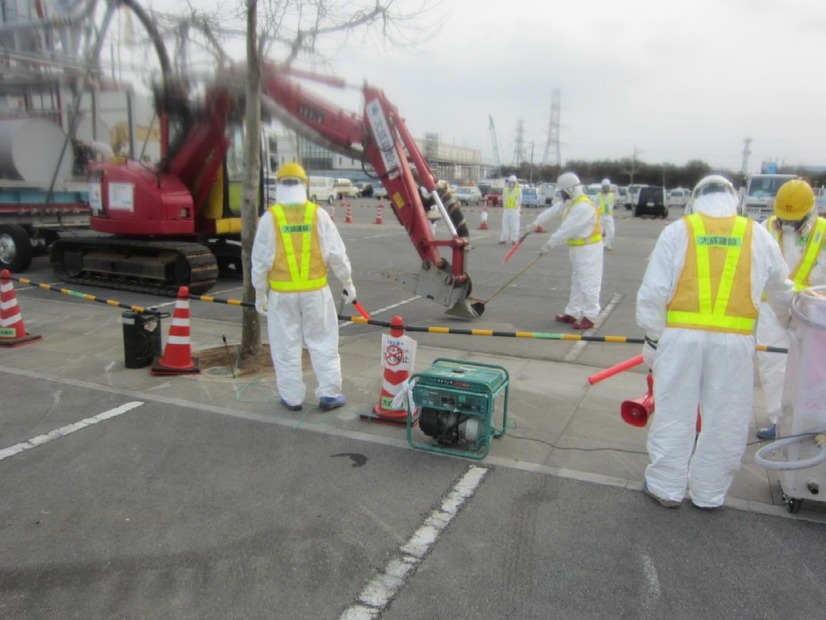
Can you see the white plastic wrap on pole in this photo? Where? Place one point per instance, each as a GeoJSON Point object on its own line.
{"type": "Point", "coordinates": [444, 213]}
{"type": "Point", "coordinates": [817, 459]}
{"type": "Point", "coordinates": [30, 150]}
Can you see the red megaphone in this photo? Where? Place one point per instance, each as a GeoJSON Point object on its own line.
{"type": "Point", "coordinates": [636, 412]}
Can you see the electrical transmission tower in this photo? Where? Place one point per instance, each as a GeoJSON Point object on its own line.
{"type": "Point", "coordinates": [519, 148]}
{"type": "Point", "coordinates": [495, 145]}
{"type": "Point", "coordinates": [552, 145]}
{"type": "Point", "coordinates": [746, 152]}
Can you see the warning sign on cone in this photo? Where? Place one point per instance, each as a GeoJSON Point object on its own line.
{"type": "Point", "coordinates": [177, 357]}
{"type": "Point", "coordinates": [398, 360]}
{"type": "Point", "coordinates": [12, 330]}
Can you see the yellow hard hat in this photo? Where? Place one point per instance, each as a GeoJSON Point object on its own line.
{"type": "Point", "coordinates": [292, 170]}
{"type": "Point", "coordinates": [795, 200]}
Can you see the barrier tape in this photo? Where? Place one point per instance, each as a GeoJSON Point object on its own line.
{"type": "Point", "coordinates": [386, 324]}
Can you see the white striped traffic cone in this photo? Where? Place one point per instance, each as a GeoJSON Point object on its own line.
{"type": "Point", "coordinates": [177, 356]}
{"type": "Point", "coordinates": [12, 329]}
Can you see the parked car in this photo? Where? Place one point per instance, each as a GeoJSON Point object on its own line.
{"type": "Point", "coordinates": [379, 191]}
{"type": "Point", "coordinates": [623, 198]}
{"type": "Point", "coordinates": [468, 195]}
{"type": "Point", "coordinates": [345, 189]}
{"type": "Point", "coordinates": [592, 190]}
{"type": "Point", "coordinates": [651, 201]}
{"type": "Point", "coordinates": [633, 195]}
{"type": "Point", "coordinates": [547, 191]}
{"type": "Point", "coordinates": [365, 189]}
{"type": "Point", "coordinates": [678, 197]}
{"type": "Point", "coordinates": [494, 196]}
{"type": "Point", "coordinates": [530, 197]}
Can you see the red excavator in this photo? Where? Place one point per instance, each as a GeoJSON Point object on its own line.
{"type": "Point", "coordinates": [168, 225]}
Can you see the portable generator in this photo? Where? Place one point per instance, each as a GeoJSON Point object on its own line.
{"type": "Point", "coordinates": [457, 404]}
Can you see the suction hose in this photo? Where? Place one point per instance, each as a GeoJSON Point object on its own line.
{"type": "Point", "coordinates": [820, 457]}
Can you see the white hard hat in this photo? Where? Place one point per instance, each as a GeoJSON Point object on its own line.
{"type": "Point", "coordinates": [713, 194]}
{"type": "Point", "coordinates": [713, 183]}
{"type": "Point", "coordinates": [567, 181]}
{"type": "Point", "coordinates": [512, 178]}
{"type": "Point", "coordinates": [606, 183]}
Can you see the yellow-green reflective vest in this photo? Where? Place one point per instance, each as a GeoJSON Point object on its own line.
{"type": "Point", "coordinates": [714, 288]}
{"type": "Point", "coordinates": [596, 233]}
{"type": "Point", "coordinates": [298, 265]}
{"type": "Point", "coordinates": [813, 244]}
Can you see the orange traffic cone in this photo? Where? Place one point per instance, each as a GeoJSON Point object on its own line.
{"type": "Point", "coordinates": [484, 224]}
{"type": "Point", "coordinates": [12, 330]}
{"type": "Point", "coordinates": [398, 358]}
{"type": "Point", "coordinates": [378, 213]}
{"type": "Point", "coordinates": [348, 215]}
{"type": "Point", "coordinates": [177, 357]}
{"type": "Point", "coordinates": [539, 228]}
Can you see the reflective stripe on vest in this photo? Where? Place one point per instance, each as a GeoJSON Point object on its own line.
{"type": "Point", "coordinates": [296, 235]}
{"type": "Point", "coordinates": [719, 251]}
{"type": "Point", "coordinates": [596, 233]}
{"type": "Point", "coordinates": [509, 201]}
{"type": "Point", "coordinates": [606, 201]}
{"type": "Point", "coordinates": [813, 244]}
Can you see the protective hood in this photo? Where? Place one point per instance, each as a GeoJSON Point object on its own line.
{"type": "Point", "coordinates": [717, 204]}
{"type": "Point", "coordinates": [290, 194]}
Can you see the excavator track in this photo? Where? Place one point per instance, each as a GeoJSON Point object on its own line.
{"type": "Point", "coordinates": [154, 267]}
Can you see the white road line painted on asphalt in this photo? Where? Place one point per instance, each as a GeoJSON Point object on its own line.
{"type": "Point", "coordinates": [381, 590]}
{"type": "Point", "coordinates": [577, 349]}
{"type": "Point", "coordinates": [67, 430]}
{"type": "Point", "coordinates": [385, 309]}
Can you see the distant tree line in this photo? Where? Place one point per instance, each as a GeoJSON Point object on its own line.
{"type": "Point", "coordinates": [628, 171]}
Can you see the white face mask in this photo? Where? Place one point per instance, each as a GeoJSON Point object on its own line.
{"type": "Point", "coordinates": [290, 194]}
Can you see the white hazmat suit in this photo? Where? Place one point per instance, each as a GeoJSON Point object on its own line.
{"type": "Point", "coordinates": [511, 208]}
{"type": "Point", "coordinates": [771, 331]}
{"type": "Point", "coordinates": [712, 370]}
{"type": "Point", "coordinates": [296, 318]}
{"type": "Point", "coordinates": [579, 217]}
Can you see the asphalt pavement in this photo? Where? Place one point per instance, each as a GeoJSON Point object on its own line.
{"type": "Point", "coordinates": [131, 495]}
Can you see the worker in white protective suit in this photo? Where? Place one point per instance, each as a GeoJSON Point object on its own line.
{"type": "Point", "coordinates": [580, 230]}
{"type": "Point", "coordinates": [605, 202]}
{"type": "Point", "coordinates": [295, 244]}
{"type": "Point", "coordinates": [801, 234]}
{"type": "Point", "coordinates": [698, 303]}
{"type": "Point", "coordinates": [511, 207]}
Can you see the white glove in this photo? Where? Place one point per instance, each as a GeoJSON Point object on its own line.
{"type": "Point", "coordinates": [530, 228]}
{"type": "Point", "coordinates": [261, 302]}
{"type": "Point", "coordinates": [544, 249]}
{"type": "Point", "coordinates": [649, 351]}
{"type": "Point", "coordinates": [350, 291]}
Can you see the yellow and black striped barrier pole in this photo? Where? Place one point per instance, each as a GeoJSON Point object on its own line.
{"type": "Point", "coordinates": [386, 324]}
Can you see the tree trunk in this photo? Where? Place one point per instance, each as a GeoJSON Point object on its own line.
{"type": "Point", "coordinates": [250, 324]}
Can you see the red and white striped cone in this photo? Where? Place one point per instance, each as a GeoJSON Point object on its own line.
{"type": "Point", "coordinates": [378, 213]}
{"type": "Point", "coordinates": [348, 214]}
{"type": "Point", "coordinates": [12, 329]}
{"type": "Point", "coordinates": [484, 224]}
{"type": "Point", "coordinates": [398, 360]}
{"type": "Point", "coordinates": [177, 356]}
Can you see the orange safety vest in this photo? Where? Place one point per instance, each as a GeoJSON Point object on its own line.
{"type": "Point", "coordinates": [714, 289]}
{"type": "Point", "coordinates": [298, 265]}
{"type": "Point", "coordinates": [509, 201]}
{"type": "Point", "coordinates": [596, 233]}
{"type": "Point", "coordinates": [813, 244]}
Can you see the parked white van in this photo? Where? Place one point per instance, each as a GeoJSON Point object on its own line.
{"type": "Point", "coordinates": [322, 189]}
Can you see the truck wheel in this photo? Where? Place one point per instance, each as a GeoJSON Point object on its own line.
{"type": "Point", "coordinates": [15, 248]}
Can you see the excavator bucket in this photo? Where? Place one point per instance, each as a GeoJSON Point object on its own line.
{"type": "Point", "coordinates": [465, 310]}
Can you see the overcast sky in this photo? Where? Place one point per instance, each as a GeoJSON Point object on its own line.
{"type": "Point", "coordinates": [675, 80]}
{"type": "Point", "coordinates": [669, 80]}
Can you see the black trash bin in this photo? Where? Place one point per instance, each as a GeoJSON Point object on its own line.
{"type": "Point", "coordinates": [141, 338]}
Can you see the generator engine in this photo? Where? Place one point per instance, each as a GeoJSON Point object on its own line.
{"type": "Point", "coordinates": [457, 400]}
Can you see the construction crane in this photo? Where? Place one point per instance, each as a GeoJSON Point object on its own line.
{"type": "Point", "coordinates": [495, 145]}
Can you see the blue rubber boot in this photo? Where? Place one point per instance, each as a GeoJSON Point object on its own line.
{"type": "Point", "coordinates": [770, 432]}
{"type": "Point", "coordinates": [326, 403]}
